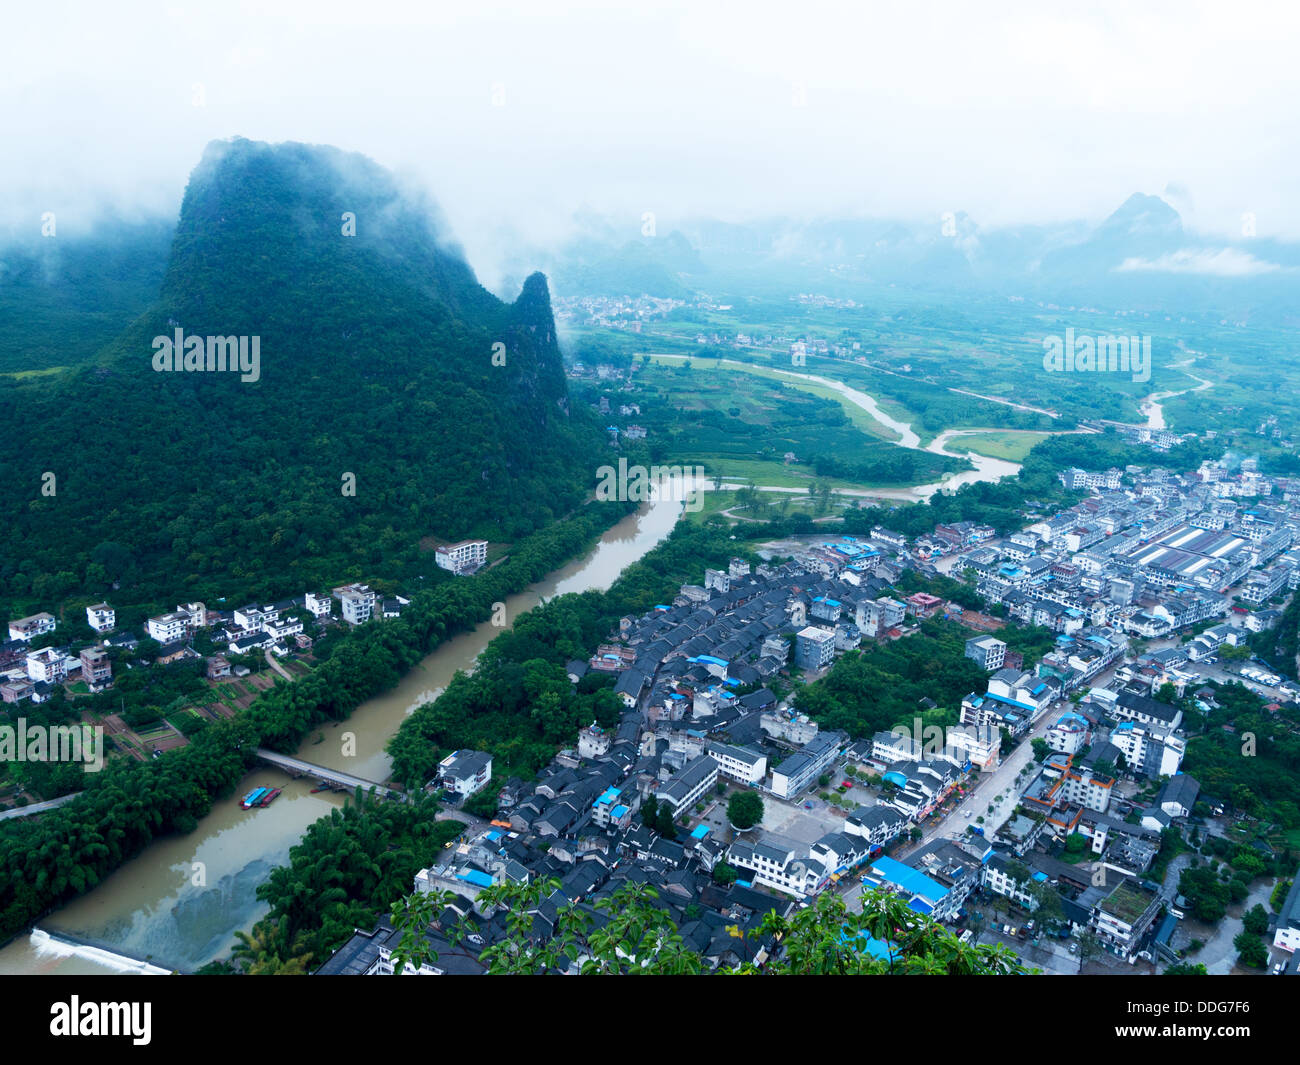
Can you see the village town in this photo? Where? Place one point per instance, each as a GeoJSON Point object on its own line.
{"type": "Point", "coordinates": [1034, 819]}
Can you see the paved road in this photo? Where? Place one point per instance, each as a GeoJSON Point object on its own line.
{"type": "Point", "coordinates": [271, 661]}
{"type": "Point", "coordinates": [1218, 955]}
{"type": "Point", "coordinates": [982, 801]}
{"type": "Point", "coordinates": [450, 813]}
{"type": "Point", "coordinates": [38, 807]}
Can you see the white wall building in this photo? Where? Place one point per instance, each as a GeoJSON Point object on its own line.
{"type": "Point", "coordinates": [27, 629]}
{"type": "Point", "coordinates": [358, 602]}
{"type": "Point", "coordinates": [742, 764]}
{"type": "Point", "coordinates": [465, 772]}
{"type": "Point", "coordinates": [101, 617]}
{"type": "Point", "coordinates": [987, 652]}
{"type": "Point", "coordinates": [318, 604]}
{"type": "Point", "coordinates": [46, 665]}
{"type": "Point", "coordinates": [463, 557]}
{"type": "Point", "coordinates": [168, 628]}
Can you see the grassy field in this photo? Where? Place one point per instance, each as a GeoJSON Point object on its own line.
{"type": "Point", "coordinates": [21, 374]}
{"type": "Point", "coordinates": [776, 474]}
{"type": "Point", "coordinates": [859, 417]}
{"type": "Point", "coordinates": [752, 424]}
{"type": "Point", "coordinates": [998, 444]}
{"type": "Point", "coordinates": [769, 505]}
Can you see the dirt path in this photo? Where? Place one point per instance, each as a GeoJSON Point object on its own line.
{"type": "Point", "coordinates": [275, 665]}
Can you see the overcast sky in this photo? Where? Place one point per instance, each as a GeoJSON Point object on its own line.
{"type": "Point", "coordinates": [521, 113]}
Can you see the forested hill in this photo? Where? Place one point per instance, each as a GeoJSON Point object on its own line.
{"type": "Point", "coordinates": [380, 357]}
{"type": "Point", "coordinates": [64, 295]}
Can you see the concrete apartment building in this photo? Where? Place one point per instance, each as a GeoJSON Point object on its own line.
{"type": "Point", "coordinates": [814, 647]}
{"type": "Point", "coordinates": [807, 764]}
{"type": "Point", "coordinates": [47, 665]}
{"type": "Point", "coordinates": [27, 629]}
{"type": "Point", "coordinates": [96, 669]}
{"type": "Point", "coordinates": [101, 617]}
{"type": "Point", "coordinates": [465, 772]}
{"type": "Point", "coordinates": [462, 558]}
{"type": "Point", "coordinates": [690, 784]}
{"type": "Point", "coordinates": [357, 601]}
{"type": "Point", "coordinates": [742, 764]}
{"type": "Point", "coordinates": [986, 652]}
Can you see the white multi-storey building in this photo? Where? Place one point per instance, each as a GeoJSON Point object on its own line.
{"type": "Point", "coordinates": [27, 629]}
{"type": "Point", "coordinates": [1069, 733]}
{"type": "Point", "coordinates": [980, 744]}
{"type": "Point", "coordinates": [464, 557]}
{"type": "Point", "coordinates": [358, 602]}
{"type": "Point", "coordinates": [168, 628]}
{"type": "Point", "coordinates": [779, 867]}
{"type": "Point", "coordinates": [46, 665]}
{"type": "Point", "coordinates": [1149, 751]}
{"type": "Point", "coordinates": [318, 604]}
{"type": "Point", "coordinates": [690, 785]}
{"type": "Point", "coordinates": [986, 651]}
{"type": "Point", "coordinates": [814, 647]}
{"type": "Point", "coordinates": [743, 764]}
{"type": "Point", "coordinates": [101, 617]}
{"type": "Point", "coordinates": [279, 630]}
{"type": "Point", "coordinates": [465, 772]}
{"type": "Point", "coordinates": [256, 618]}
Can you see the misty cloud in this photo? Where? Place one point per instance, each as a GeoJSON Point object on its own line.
{"type": "Point", "coordinates": [1220, 262]}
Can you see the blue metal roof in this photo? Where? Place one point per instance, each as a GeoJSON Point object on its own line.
{"type": "Point", "coordinates": [910, 880]}
{"type": "Point", "coordinates": [473, 876]}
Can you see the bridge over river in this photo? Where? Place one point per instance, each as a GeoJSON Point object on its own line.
{"type": "Point", "coordinates": [333, 778]}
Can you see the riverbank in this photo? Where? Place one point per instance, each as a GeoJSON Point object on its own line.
{"type": "Point", "coordinates": [180, 901]}
{"type": "Point", "coordinates": [985, 467]}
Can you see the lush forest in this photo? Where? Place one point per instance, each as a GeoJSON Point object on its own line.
{"type": "Point", "coordinates": [49, 859]}
{"type": "Point", "coordinates": [67, 292]}
{"type": "Point", "coordinates": [348, 870]}
{"type": "Point", "coordinates": [873, 690]}
{"type": "Point", "coordinates": [1256, 765]}
{"type": "Point", "coordinates": [396, 401]}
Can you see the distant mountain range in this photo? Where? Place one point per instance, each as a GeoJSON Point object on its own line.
{"type": "Point", "coordinates": [1140, 257]}
{"type": "Point", "coordinates": [393, 399]}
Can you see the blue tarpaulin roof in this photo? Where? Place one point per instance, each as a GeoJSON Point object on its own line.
{"type": "Point", "coordinates": [869, 944]}
{"type": "Point", "coordinates": [473, 876]}
{"type": "Point", "coordinates": [909, 879]}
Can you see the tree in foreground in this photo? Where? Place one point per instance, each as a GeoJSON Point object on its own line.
{"type": "Point", "coordinates": [629, 933]}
